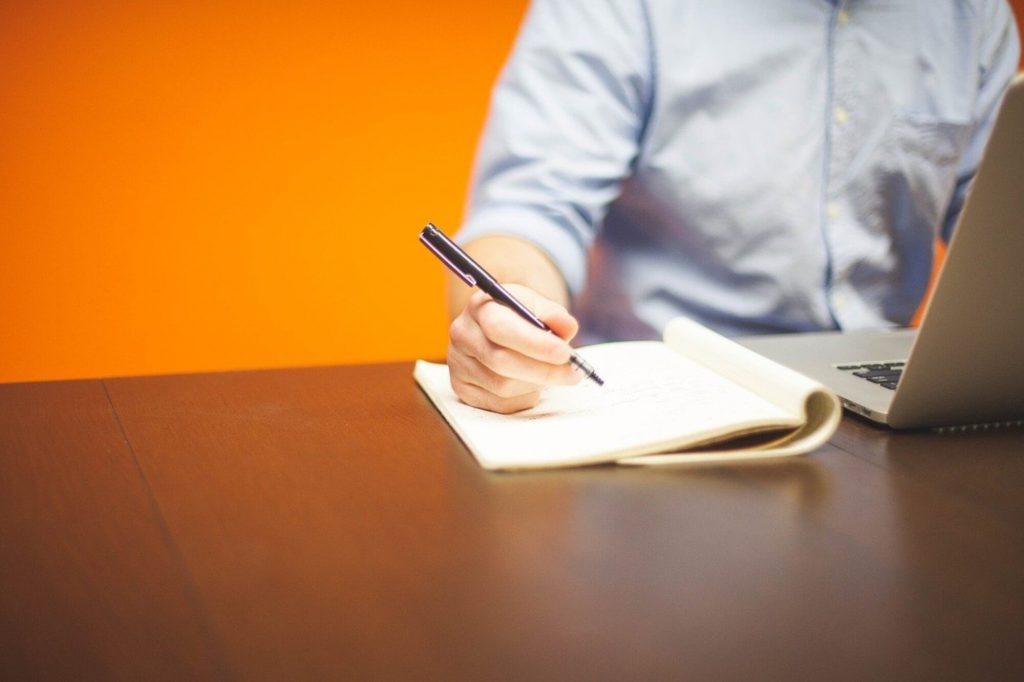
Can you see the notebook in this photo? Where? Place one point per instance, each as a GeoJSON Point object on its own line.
{"type": "Point", "coordinates": [695, 397]}
{"type": "Point", "coordinates": [965, 364]}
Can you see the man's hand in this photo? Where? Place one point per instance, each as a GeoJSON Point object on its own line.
{"type": "Point", "coordinates": [499, 361]}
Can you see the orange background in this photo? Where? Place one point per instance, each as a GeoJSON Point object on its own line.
{"type": "Point", "coordinates": [227, 184]}
{"type": "Point", "coordinates": [216, 185]}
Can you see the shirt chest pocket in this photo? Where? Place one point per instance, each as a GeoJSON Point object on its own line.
{"type": "Point", "coordinates": [932, 140]}
{"type": "Point", "coordinates": [924, 156]}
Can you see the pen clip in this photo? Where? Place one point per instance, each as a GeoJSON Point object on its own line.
{"type": "Point", "coordinates": [464, 276]}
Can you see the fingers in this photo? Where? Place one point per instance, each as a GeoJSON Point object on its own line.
{"type": "Point", "coordinates": [511, 347]}
{"type": "Point", "coordinates": [493, 392]}
{"type": "Point", "coordinates": [507, 330]}
{"type": "Point", "coordinates": [500, 362]}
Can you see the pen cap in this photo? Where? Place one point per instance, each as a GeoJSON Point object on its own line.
{"type": "Point", "coordinates": [448, 252]}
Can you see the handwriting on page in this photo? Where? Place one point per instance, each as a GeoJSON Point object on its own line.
{"type": "Point", "coordinates": [648, 387]}
{"type": "Point", "coordinates": [657, 393]}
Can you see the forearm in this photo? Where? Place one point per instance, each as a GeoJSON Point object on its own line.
{"type": "Point", "coordinates": [514, 260]}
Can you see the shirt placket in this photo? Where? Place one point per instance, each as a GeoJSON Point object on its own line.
{"type": "Point", "coordinates": [841, 123]}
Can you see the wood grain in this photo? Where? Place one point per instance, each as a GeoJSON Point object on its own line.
{"type": "Point", "coordinates": [334, 526]}
{"type": "Point", "coordinates": [90, 584]}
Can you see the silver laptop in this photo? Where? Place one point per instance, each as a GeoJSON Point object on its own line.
{"type": "Point", "coordinates": [965, 364]}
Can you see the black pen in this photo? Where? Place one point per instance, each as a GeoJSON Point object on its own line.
{"type": "Point", "coordinates": [473, 274]}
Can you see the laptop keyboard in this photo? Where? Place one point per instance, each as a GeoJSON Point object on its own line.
{"type": "Point", "coordinates": [885, 374]}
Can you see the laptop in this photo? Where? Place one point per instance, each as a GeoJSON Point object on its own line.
{"type": "Point", "coordinates": [964, 365]}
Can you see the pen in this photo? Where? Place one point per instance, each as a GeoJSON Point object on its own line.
{"type": "Point", "coordinates": [473, 274]}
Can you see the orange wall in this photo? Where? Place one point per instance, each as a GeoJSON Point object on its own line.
{"type": "Point", "coordinates": [224, 184]}
{"type": "Point", "coordinates": [206, 185]}
{"type": "Point", "coordinates": [1018, 10]}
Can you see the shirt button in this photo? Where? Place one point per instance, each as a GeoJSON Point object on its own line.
{"type": "Point", "coordinates": [844, 17]}
{"type": "Point", "coordinates": [839, 301]}
{"type": "Point", "coordinates": [841, 116]}
{"type": "Point", "coordinates": [832, 210]}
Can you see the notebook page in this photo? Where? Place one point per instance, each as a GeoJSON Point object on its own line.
{"type": "Point", "coordinates": [780, 385]}
{"type": "Point", "coordinates": [653, 399]}
{"type": "Point", "coordinates": [793, 392]}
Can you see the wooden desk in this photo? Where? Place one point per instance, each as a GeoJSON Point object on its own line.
{"type": "Point", "coordinates": [325, 523]}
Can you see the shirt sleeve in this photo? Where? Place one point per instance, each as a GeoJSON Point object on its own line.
{"type": "Point", "coordinates": [565, 123]}
{"type": "Point", "coordinates": [1000, 55]}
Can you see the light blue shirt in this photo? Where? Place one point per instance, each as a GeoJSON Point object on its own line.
{"type": "Point", "coordinates": [759, 166]}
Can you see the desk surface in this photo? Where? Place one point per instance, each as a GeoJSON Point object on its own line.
{"type": "Point", "coordinates": [325, 523]}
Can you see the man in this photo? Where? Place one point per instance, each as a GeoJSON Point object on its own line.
{"type": "Point", "coordinates": [760, 167]}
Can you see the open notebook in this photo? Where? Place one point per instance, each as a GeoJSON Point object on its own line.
{"type": "Point", "coordinates": [696, 397]}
